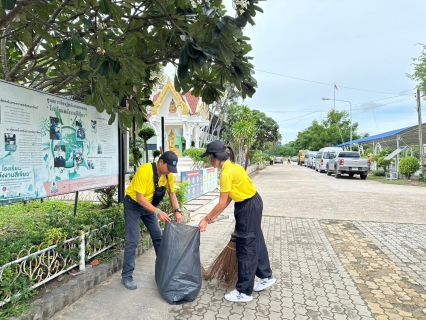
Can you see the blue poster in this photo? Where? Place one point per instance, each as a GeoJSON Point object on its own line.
{"type": "Point", "coordinates": [195, 178]}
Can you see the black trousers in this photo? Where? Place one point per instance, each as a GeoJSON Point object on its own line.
{"type": "Point", "coordinates": [133, 214]}
{"type": "Point", "coordinates": [252, 254]}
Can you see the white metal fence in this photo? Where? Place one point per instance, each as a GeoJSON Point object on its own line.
{"type": "Point", "coordinates": [43, 265]}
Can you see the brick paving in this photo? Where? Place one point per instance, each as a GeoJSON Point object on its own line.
{"type": "Point", "coordinates": [333, 259]}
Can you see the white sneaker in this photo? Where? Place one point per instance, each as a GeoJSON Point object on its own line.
{"type": "Point", "coordinates": [236, 296]}
{"type": "Point", "coordinates": [263, 284]}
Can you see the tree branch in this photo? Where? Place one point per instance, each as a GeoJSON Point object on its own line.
{"type": "Point", "coordinates": [36, 41]}
{"type": "Point", "coordinates": [63, 84]}
{"type": "Point", "coordinates": [9, 17]}
{"type": "Point", "coordinates": [3, 50]}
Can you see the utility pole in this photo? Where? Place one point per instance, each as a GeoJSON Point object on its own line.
{"type": "Point", "coordinates": [422, 149]}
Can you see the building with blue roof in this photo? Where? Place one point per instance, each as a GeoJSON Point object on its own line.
{"type": "Point", "coordinates": [408, 136]}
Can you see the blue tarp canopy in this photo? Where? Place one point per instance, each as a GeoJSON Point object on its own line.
{"type": "Point", "coordinates": [409, 137]}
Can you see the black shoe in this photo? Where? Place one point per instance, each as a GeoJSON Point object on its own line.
{"type": "Point", "coordinates": [129, 283]}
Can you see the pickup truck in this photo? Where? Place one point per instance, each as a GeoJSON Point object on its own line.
{"type": "Point", "coordinates": [348, 162]}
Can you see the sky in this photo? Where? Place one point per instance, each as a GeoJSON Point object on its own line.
{"type": "Point", "coordinates": [301, 48]}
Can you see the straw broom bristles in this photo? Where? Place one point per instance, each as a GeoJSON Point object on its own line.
{"type": "Point", "coordinates": [225, 266]}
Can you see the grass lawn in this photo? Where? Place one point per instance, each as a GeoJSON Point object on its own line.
{"type": "Point", "coordinates": [405, 182]}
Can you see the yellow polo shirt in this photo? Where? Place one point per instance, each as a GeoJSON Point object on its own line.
{"type": "Point", "coordinates": [235, 180]}
{"type": "Point", "coordinates": [143, 182]}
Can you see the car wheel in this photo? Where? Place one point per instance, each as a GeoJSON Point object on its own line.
{"type": "Point", "coordinates": [351, 174]}
{"type": "Point", "coordinates": [337, 175]}
{"type": "Point", "coordinates": [363, 176]}
{"type": "Point", "coordinates": [328, 171]}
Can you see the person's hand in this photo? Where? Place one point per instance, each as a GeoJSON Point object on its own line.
{"type": "Point", "coordinates": [178, 217]}
{"type": "Point", "coordinates": [203, 225]}
{"type": "Point", "coordinates": [164, 217]}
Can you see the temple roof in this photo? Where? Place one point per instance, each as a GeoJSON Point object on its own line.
{"type": "Point", "coordinates": [191, 101]}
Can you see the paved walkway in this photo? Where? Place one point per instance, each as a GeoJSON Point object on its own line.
{"type": "Point", "coordinates": [339, 249]}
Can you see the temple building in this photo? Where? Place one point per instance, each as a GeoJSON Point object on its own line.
{"type": "Point", "coordinates": [185, 119]}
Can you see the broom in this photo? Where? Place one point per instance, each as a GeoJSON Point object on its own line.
{"type": "Point", "coordinates": [225, 266]}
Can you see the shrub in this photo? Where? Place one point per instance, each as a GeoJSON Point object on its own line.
{"type": "Point", "coordinates": [382, 163]}
{"type": "Point", "coordinates": [195, 155]}
{"type": "Point", "coordinates": [378, 173]}
{"type": "Point", "coordinates": [36, 226]}
{"type": "Point", "coordinates": [408, 166]}
{"type": "Point", "coordinates": [181, 191]}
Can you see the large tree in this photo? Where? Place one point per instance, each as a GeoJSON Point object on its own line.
{"type": "Point", "coordinates": [266, 130]}
{"type": "Point", "coordinates": [332, 131]}
{"type": "Point", "coordinates": [103, 52]}
{"type": "Point", "coordinates": [419, 74]}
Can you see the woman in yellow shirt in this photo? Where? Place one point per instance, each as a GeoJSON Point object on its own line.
{"type": "Point", "coordinates": [252, 254]}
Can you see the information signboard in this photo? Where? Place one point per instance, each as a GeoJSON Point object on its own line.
{"type": "Point", "coordinates": [209, 179]}
{"type": "Point", "coordinates": [50, 145]}
{"type": "Point", "coordinates": [195, 179]}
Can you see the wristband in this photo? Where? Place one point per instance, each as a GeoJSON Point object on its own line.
{"type": "Point", "coordinates": [158, 212]}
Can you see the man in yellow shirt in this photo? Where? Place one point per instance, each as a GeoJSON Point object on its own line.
{"type": "Point", "coordinates": [142, 197]}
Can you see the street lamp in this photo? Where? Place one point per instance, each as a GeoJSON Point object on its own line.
{"type": "Point", "coordinates": [350, 116]}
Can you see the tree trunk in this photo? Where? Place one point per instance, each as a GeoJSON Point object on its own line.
{"type": "Point", "coordinates": [247, 157]}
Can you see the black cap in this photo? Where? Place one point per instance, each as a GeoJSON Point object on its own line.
{"type": "Point", "coordinates": [214, 147]}
{"type": "Point", "coordinates": [171, 159]}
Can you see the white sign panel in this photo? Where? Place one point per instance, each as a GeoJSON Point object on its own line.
{"type": "Point", "coordinates": [51, 145]}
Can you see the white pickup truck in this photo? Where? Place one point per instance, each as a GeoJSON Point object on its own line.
{"type": "Point", "coordinates": [348, 162]}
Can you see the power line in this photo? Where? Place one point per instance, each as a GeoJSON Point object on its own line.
{"type": "Point", "coordinates": [330, 84]}
{"type": "Point", "coordinates": [353, 105]}
{"type": "Point", "coordinates": [300, 117]}
{"type": "Point", "coordinates": [385, 104]}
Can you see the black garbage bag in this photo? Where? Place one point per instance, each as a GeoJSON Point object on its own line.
{"type": "Point", "coordinates": [178, 266]}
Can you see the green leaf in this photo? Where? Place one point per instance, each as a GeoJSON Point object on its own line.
{"type": "Point", "coordinates": [104, 69]}
{"type": "Point", "coordinates": [45, 35]}
{"type": "Point", "coordinates": [98, 102]}
{"type": "Point", "coordinates": [84, 74]}
{"type": "Point", "coordinates": [130, 41]}
{"type": "Point", "coordinates": [217, 33]}
{"type": "Point", "coordinates": [257, 8]}
{"type": "Point", "coordinates": [87, 22]}
{"type": "Point", "coordinates": [77, 48]}
{"type": "Point", "coordinates": [104, 7]}
{"type": "Point", "coordinates": [191, 51]}
{"type": "Point", "coordinates": [8, 4]}
{"type": "Point", "coordinates": [117, 14]}
{"type": "Point", "coordinates": [65, 50]}
{"type": "Point", "coordinates": [210, 48]}
{"type": "Point", "coordinates": [210, 13]}
{"type": "Point", "coordinates": [183, 56]}
{"type": "Point", "coordinates": [116, 67]}
{"type": "Point", "coordinates": [27, 37]}
{"type": "Point", "coordinates": [182, 71]}
{"type": "Point", "coordinates": [95, 62]}
{"type": "Point", "coordinates": [111, 119]}
{"type": "Point", "coordinates": [82, 56]}
{"type": "Point", "coordinates": [181, 4]}
{"type": "Point", "coordinates": [221, 24]}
